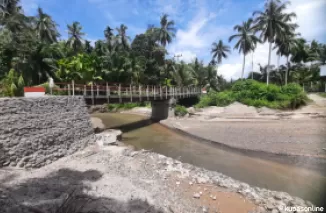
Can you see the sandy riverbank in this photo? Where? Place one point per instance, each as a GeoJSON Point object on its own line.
{"type": "Point", "coordinates": [122, 180]}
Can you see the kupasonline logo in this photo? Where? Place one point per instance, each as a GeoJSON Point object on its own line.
{"type": "Point", "coordinates": [303, 209]}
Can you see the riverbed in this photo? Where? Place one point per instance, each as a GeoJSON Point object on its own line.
{"type": "Point", "coordinates": [143, 134]}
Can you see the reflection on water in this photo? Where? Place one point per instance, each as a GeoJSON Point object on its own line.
{"type": "Point", "coordinates": [304, 183]}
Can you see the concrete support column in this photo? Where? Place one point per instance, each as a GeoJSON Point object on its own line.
{"type": "Point", "coordinates": [162, 109]}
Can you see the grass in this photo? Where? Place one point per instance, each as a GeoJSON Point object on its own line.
{"type": "Point", "coordinates": [257, 94]}
{"type": "Point", "coordinates": [322, 94]}
{"type": "Point", "coordinates": [126, 106]}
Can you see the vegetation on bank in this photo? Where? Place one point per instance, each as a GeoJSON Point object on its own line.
{"type": "Point", "coordinates": [322, 94]}
{"type": "Point", "coordinates": [180, 110]}
{"type": "Point", "coordinates": [253, 93]}
{"type": "Point", "coordinates": [126, 106]}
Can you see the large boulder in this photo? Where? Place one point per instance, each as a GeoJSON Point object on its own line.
{"type": "Point", "coordinates": [97, 124]}
{"type": "Point", "coordinates": [109, 137]}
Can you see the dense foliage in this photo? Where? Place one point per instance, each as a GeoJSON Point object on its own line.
{"type": "Point", "coordinates": [31, 51]}
{"type": "Point", "coordinates": [31, 48]}
{"type": "Point", "coordinates": [253, 93]}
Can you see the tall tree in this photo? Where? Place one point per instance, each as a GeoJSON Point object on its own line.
{"type": "Point", "coordinates": [75, 40]}
{"type": "Point", "coordinates": [247, 40]}
{"type": "Point", "coordinates": [284, 47]}
{"type": "Point", "coordinates": [219, 51]}
{"type": "Point", "coordinates": [166, 32]}
{"type": "Point", "coordinates": [108, 34]}
{"type": "Point", "coordinates": [45, 27]}
{"type": "Point", "coordinates": [300, 53]}
{"type": "Point", "coordinates": [273, 22]}
{"type": "Point", "coordinates": [123, 39]}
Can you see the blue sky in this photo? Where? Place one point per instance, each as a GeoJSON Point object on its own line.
{"type": "Point", "coordinates": [198, 22]}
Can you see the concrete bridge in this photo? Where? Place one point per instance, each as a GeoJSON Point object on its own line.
{"type": "Point", "coordinates": [162, 98]}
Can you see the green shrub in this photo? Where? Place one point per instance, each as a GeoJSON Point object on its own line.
{"type": "Point", "coordinates": [224, 98]}
{"type": "Point", "coordinates": [292, 88]}
{"type": "Point", "coordinates": [257, 94]}
{"type": "Point", "coordinates": [180, 110]}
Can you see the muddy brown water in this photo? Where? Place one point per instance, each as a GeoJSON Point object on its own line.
{"type": "Point", "coordinates": [143, 134]}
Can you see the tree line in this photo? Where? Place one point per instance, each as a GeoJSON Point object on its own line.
{"type": "Point", "coordinates": [276, 27]}
{"type": "Point", "coordinates": [32, 50]}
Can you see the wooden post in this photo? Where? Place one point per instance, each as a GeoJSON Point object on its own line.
{"type": "Point", "coordinates": [85, 92]}
{"type": "Point", "coordinates": [154, 92]}
{"type": "Point", "coordinates": [107, 92]}
{"type": "Point", "coordinates": [139, 91]}
{"type": "Point", "coordinates": [119, 93]}
{"type": "Point", "coordinates": [131, 88]}
{"type": "Point", "coordinates": [73, 87]}
{"type": "Point", "coordinates": [68, 89]}
{"type": "Point", "coordinates": [166, 92]}
{"type": "Point", "coordinates": [97, 91]}
{"type": "Point", "coordinates": [147, 92]}
{"type": "Point", "coordinates": [92, 91]}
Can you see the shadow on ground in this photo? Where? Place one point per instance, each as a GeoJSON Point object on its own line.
{"type": "Point", "coordinates": [64, 191]}
{"type": "Point", "coordinates": [134, 125]}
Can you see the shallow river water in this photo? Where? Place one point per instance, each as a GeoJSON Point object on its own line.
{"type": "Point", "coordinates": [143, 134]}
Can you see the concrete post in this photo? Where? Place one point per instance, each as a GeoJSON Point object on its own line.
{"type": "Point", "coordinates": [162, 109]}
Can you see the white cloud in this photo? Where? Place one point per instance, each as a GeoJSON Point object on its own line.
{"type": "Point", "coordinates": [186, 56]}
{"type": "Point", "coordinates": [198, 36]}
{"type": "Point", "coordinates": [310, 17]}
{"type": "Point", "coordinates": [29, 6]}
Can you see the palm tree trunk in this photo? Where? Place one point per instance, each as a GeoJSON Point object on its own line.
{"type": "Point", "coordinates": [287, 70]}
{"type": "Point", "coordinates": [278, 62]}
{"type": "Point", "coordinates": [243, 65]}
{"type": "Point", "coordinates": [252, 65]}
{"type": "Point", "coordinates": [269, 61]}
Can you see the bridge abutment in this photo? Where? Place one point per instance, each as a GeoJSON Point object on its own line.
{"type": "Point", "coordinates": [162, 109]}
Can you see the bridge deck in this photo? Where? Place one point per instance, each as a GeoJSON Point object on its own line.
{"type": "Point", "coordinates": [99, 94]}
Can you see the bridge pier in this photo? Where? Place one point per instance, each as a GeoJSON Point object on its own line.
{"type": "Point", "coordinates": [162, 109]}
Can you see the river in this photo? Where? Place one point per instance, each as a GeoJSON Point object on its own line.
{"type": "Point", "coordinates": [143, 134]}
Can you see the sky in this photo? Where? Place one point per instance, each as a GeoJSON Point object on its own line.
{"type": "Point", "coordinates": [198, 24]}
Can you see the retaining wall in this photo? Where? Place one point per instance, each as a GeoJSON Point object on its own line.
{"type": "Point", "coordinates": [37, 131]}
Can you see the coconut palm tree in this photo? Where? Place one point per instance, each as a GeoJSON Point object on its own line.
{"type": "Point", "coordinates": [166, 32]}
{"type": "Point", "coordinates": [219, 51]}
{"type": "Point", "coordinates": [108, 34]}
{"type": "Point", "coordinates": [284, 48]}
{"type": "Point", "coordinates": [247, 41]}
{"type": "Point", "coordinates": [45, 27]}
{"type": "Point", "coordinates": [300, 53]}
{"type": "Point", "coordinates": [75, 40]}
{"type": "Point", "coordinates": [122, 37]}
{"type": "Point", "coordinates": [273, 22]}
{"type": "Point", "coordinates": [313, 52]}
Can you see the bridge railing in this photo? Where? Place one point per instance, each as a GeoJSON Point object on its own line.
{"type": "Point", "coordinates": [141, 92]}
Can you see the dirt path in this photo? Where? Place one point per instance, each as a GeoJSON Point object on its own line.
{"type": "Point", "coordinates": [318, 100]}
